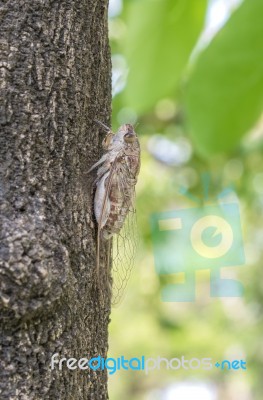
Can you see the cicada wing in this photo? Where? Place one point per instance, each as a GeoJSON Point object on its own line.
{"type": "Point", "coordinates": [124, 245]}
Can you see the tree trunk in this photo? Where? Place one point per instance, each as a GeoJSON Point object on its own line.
{"type": "Point", "coordinates": [55, 80]}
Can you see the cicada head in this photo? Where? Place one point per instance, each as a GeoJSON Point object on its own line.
{"type": "Point", "coordinates": [127, 135]}
{"type": "Point", "coordinates": [130, 135]}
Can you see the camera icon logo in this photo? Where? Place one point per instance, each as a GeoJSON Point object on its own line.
{"type": "Point", "coordinates": [188, 240]}
{"type": "Point", "coordinates": [216, 229]}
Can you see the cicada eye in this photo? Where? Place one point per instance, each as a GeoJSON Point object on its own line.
{"type": "Point", "coordinates": [129, 137]}
{"type": "Point", "coordinates": [107, 140]}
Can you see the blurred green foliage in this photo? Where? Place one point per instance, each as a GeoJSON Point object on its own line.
{"type": "Point", "coordinates": [195, 96]}
{"type": "Point", "coordinates": [225, 92]}
{"type": "Point", "coordinates": [157, 47]}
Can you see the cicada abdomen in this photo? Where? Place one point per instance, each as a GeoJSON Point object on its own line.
{"type": "Point", "coordinates": [114, 203]}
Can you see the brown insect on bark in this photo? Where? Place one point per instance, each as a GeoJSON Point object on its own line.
{"type": "Point", "coordinates": [114, 207]}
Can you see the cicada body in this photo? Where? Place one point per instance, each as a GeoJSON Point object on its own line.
{"type": "Point", "coordinates": [114, 201]}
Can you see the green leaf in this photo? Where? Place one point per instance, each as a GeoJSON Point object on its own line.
{"type": "Point", "coordinates": [160, 37]}
{"type": "Point", "coordinates": [224, 96]}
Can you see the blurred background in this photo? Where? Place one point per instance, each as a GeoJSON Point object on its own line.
{"type": "Point", "coordinates": [189, 75]}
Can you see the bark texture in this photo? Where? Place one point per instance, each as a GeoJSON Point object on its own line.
{"type": "Point", "coordinates": [55, 80]}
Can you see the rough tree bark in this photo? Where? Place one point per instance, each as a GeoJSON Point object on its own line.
{"type": "Point", "coordinates": [55, 79]}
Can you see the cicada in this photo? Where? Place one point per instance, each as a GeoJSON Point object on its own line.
{"type": "Point", "coordinates": [114, 203]}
